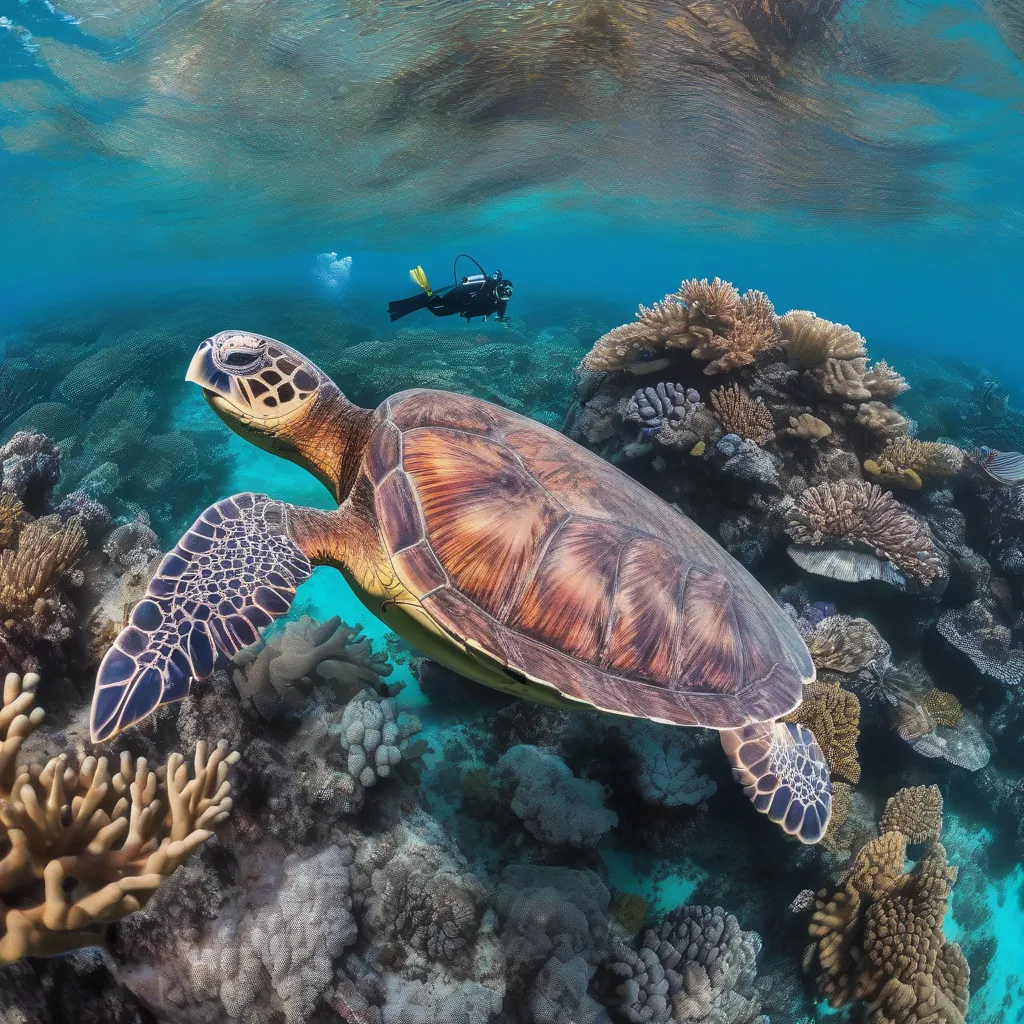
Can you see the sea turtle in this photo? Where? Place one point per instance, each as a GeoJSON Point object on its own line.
{"type": "Point", "coordinates": [496, 546]}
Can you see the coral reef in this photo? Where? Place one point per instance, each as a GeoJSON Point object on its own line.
{"type": "Point", "coordinates": [863, 515]}
{"type": "Point", "coordinates": [879, 938]}
{"type": "Point", "coordinates": [82, 848]}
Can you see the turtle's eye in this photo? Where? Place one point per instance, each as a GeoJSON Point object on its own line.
{"type": "Point", "coordinates": [239, 360]}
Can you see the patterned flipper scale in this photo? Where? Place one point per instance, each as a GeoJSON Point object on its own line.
{"type": "Point", "coordinates": [785, 775]}
{"type": "Point", "coordinates": [233, 572]}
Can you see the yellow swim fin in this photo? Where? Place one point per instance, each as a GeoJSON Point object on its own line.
{"type": "Point", "coordinates": [419, 277]}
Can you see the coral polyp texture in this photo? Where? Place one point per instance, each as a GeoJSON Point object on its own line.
{"type": "Point", "coordinates": [486, 860]}
{"type": "Point", "coordinates": [84, 847]}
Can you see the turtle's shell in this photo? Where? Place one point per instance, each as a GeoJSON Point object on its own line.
{"type": "Point", "coordinates": [570, 573]}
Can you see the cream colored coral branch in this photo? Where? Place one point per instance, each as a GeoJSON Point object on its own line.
{"type": "Point", "coordinates": [81, 848]}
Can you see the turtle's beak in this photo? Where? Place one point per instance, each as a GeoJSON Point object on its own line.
{"type": "Point", "coordinates": [203, 372]}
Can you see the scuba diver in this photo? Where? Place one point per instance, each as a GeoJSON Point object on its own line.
{"type": "Point", "coordinates": [480, 294]}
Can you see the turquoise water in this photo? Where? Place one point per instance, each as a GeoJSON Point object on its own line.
{"type": "Point", "coordinates": [169, 171]}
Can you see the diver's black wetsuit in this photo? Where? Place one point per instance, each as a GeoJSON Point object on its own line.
{"type": "Point", "coordinates": [472, 298]}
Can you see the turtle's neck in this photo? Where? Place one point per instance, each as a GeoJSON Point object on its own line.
{"type": "Point", "coordinates": [330, 440]}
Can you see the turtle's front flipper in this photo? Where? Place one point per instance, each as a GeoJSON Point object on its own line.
{"type": "Point", "coordinates": [234, 571]}
{"type": "Point", "coordinates": [785, 775]}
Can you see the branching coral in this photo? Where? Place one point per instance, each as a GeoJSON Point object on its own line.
{"type": "Point", "coordinates": [884, 382]}
{"type": "Point", "coordinates": [277, 674]}
{"type": "Point", "coordinates": [84, 848]}
{"type": "Point", "coordinates": [30, 469]}
{"type": "Point", "coordinates": [11, 510]}
{"type": "Point", "coordinates": [46, 550]}
{"type": "Point", "coordinates": [916, 813]}
{"type": "Point", "coordinates": [833, 715]}
{"type": "Point", "coordinates": [849, 513]}
{"type": "Point", "coordinates": [699, 965]}
{"type": "Point", "coordinates": [810, 340]}
{"type": "Point", "coordinates": [639, 347]}
{"type": "Point", "coordinates": [725, 330]}
{"type": "Point", "coordinates": [878, 937]}
{"type": "Point", "coordinates": [907, 462]}
{"type": "Point", "coordinates": [742, 415]}
{"type": "Point", "coordinates": [554, 806]}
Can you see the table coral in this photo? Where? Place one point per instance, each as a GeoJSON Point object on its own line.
{"type": "Point", "coordinates": [857, 513]}
{"type": "Point", "coordinates": [82, 848]}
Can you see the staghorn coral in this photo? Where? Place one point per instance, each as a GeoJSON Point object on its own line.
{"type": "Point", "coordinates": [698, 965]}
{"type": "Point", "coordinates": [278, 673]}
{"type": "Point", "coordinates": [808, 428]}
{"type": "Point", "coordinates": [854, 513]}
{"type": "Point", "coordinates": [846, 644]}
{"type": "Point", "coordinates": [915, 812]}
{"type": "Point", "coordinates": [809, 340]}
{"type": "Point", "coordinates": [554, 806]}
{"type": "Point", "coordinates": [742, 415]}
{"type": "Point", "coordinates": [833, 715]}
{"type": "Point", "coordinates": [82, 848]}
{"type": "Point", "coordinates": [878, 936]}
{"type": "Point", "coordinates": [884, 382]}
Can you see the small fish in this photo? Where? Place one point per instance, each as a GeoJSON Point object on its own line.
{"type": "Point", "coordinates": [1005, 468]}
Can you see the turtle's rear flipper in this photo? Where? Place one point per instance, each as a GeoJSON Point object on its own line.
{"type": "Point", "coordinates": [234, 571]}
{"type": "Point", "coordinates": [785, 775]}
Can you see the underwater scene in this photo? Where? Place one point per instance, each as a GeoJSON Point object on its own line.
{"type": "Point", "coordinates": [511, 512]}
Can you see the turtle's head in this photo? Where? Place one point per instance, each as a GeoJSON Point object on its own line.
{"type": "Point", "coordinates": [278, 399]}
{"type": "Point", "coordinates": [258, 386]}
